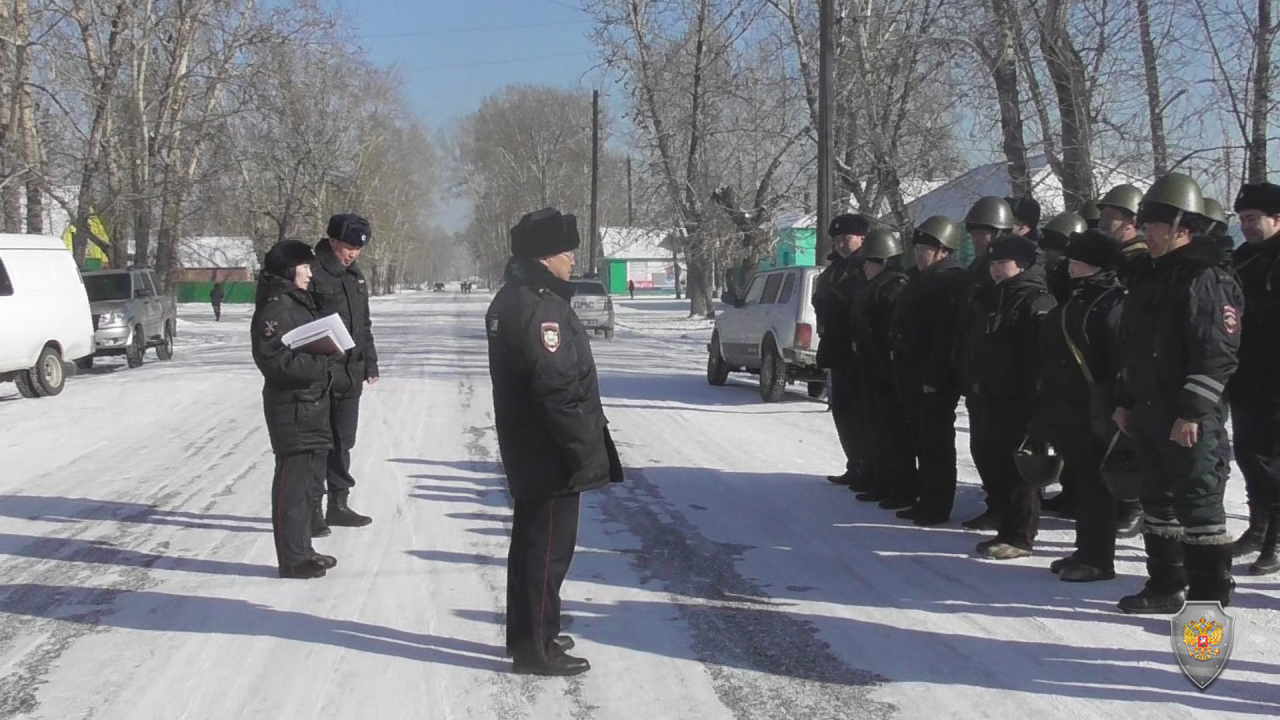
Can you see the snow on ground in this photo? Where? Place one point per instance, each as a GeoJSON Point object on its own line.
{"type": "Point", "coordinates": [725, 579]}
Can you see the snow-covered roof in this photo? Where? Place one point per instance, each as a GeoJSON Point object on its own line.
{"type": "Point", "coordinates": [217, 252]}
{"type": "Point", "coordinates": [954, 198]}
{"type": "Point", "coordinates": [629, 243]}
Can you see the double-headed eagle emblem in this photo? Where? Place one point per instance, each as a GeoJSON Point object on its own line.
{"type": "Point", "coordinates": [1202, 638]}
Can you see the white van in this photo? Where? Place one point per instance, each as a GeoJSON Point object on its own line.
{"type": "Point", "coordinates": [45, 323]}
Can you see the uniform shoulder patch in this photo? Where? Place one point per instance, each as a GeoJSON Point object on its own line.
{"type": "Point", "coordinates": [1230, 319]}
{"type": "Point", "coordinates": [551, 336]}
{"type": "Point", "coordinates": [269, 328]}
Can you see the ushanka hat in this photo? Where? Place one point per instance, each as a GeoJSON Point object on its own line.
{"type": "Point", "coordinates": [544, 233]}
{"type": "Point", "coordinates": [349, 229]}
{"type": "Point", "coordinates": [1259, 196]}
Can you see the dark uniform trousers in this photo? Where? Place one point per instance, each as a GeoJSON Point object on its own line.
{"type": "Point", "coordinates": [344, 418]}
{"type": "Point", "coordinates": [1255, 421]}
{"type": "Point", "coordinates": [1096, 509]}
{"type": "Point", "coordinates": [892, 461]}
{"type": "Point", "coordinates": [543, 536]}
{"type": "Point", "coordinates": [846, 412]}
{"type": "Point", "coordinates": [1182, 488]}
{"type": "Point", "coordinates": [994, 439]}
{"type": "Point", "coordinates": [935, 446]}
{"type": "Point", "coordinates": [291, 490]}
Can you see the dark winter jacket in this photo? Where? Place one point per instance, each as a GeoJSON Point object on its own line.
{"type": "Point", "coordinates": [295, 390]}
{"type": "Point", "coordinates": [1091, 317]}
{"type": "Point", "coordinates": [833, 295]}
{"type": "Point", "coordinates": [979, 289]}
{"type": "Point", "coordinates": [872, 315]}
{"type": "Point", "coordinates": [1257, 267]}
{"type": "Point", "coordinates": [1004, 343]}
{"type": "Point", "coordinates": [922, 332]}
{"type": "Point", "coordinates": [552, 432]}
{"type": "Point", "coordinates": [217, 294]}
{"type": "Point", "coordinates": [343, 290]}
{"type": "Point", "coordinates": [1137, 259]}
{"type": "Point", "coordinates": [1180, 332]}
{"type": "Point", "coordinates": [1058, 277]}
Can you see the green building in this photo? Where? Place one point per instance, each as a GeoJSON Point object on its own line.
{"type": "Point", "coordinates": [795, 242]}
{"type": "Point", "coordinates": [641, 256]}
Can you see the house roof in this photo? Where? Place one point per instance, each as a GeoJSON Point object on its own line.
{"type": "Point", "coordinates": [629, 243]}
{"type": "Point", "coordinates": [954, 198]}
{"type": "Point", "coordinates": [217, 252]}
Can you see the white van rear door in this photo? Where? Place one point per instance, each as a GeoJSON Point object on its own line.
{"type": "Point", "coordinates": [15, 311]}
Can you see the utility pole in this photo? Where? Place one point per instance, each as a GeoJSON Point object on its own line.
{"type": "Point", "coordinates": [595, 179]}
{"type": "Point", "coordinates": [631, 218]}
{"type": "Point", "coordinates": [826, 71]}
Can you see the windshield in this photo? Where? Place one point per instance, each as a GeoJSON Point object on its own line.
{"type": "Point", "coordinates": [589, 288]}
{"type": "Point", "coordinates": [107, 287]}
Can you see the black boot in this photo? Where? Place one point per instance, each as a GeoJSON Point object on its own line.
{"type": "Point", "coordinates": [306, 570]}
{"type": "Point", "coordinates": [1251, 541]}
{"type": "Point", "coordinates": [1267, 563]}
{"type": "Point", "coordinates": [319, 528]}
{"type": "Point", "coordinates": [1209, 573]}
{"type": "Point", "coordinates": [1166, 590]}
{"type": "Point", "coordinates": [1129, 524]}
{"type": "Point", "coordinates": [559, 664]}
{"type": "Point", "coordinates": [341, 515]}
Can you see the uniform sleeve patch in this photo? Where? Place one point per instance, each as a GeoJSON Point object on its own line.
{"type": "Point", "coordinates": [551, 336]}
{"type": "Point", "coordinates": [1230, 319]}
{"type": "Point", "coordinates": [269, 328]}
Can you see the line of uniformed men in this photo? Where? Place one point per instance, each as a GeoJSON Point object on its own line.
{"type": "Point", "coordinates": [1108, 336]}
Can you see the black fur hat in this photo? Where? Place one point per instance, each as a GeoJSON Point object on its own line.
{"type": "Point", "coordinates": [350, 229]}
{"type": "Point", "coordinates": [849, 224]}
{"type": "Point", "coordinates": [544, 233]}
{"type": "Point", "coordinates": [286, 255]}
{"type": "Point", "coordinates": [1096, 248]}
{"type": "Point", "coordinates": [1020, 249]}
{"type": "Point", "coordinates": [1259, 196]}
{"type": "Point", "coordinates": [1025, 209]}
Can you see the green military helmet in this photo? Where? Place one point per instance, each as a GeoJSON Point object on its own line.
{"type": "Point", "coordinates": [881, 244]}
{"type": "Point", "coordinates": [942, 230]}
{"type": "Point", "coordinates": [1091, 213]}
{"type": "Point", "coordinates": [1126, 197]}
{"type": "Point", "coordinates": [991, 211]}
{"type": "Point", "coordinates": [1037, 466]}
{"type": "Point", "coordinates": [1177, 191]}
{"type": "Point", "coordinates": [1213, 210]}
{"type": "Point", "coordinates": [1066, 224]}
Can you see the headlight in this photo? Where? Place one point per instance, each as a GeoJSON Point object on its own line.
{"type": "Point", "coordinates": [112, 318]}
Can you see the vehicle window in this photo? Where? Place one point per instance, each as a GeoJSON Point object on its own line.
{"type": "Point", "coordinates": [107, 287]}
{"type": "Point", "coordinates": [6, 287]}
{"type": "Point", "coordinates": [148, 281]}
{"type": "Point", "coordinates": [754, 292]}
{"type": "Point", "coordinates": [589, 288]}
{"type": "Point", "coordinates": [771, 287]}
{"type": "Point", "coordinates": [788, 289]}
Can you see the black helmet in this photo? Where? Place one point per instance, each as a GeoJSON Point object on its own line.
{"type": "Point", "coordinates": [992, 212]}
{"type": "Point", "coordinates": [1120, 469]}
{"type": "Point", "coordinates": [881, 244]}
{"type": "Point", "coordinates": [1066, 224]}
{"type": "Point", "coordinates": [1037, 465]}
{"type": "Point", "coordinates": [941, 231]}
{"type": "Point", "coordinates": [1126, 197]}
{"type": "Point", "coordinates": [1177, 191]}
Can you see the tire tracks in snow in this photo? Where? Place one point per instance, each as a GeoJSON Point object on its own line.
{"type": "Point", "coordinates": [762, 662]}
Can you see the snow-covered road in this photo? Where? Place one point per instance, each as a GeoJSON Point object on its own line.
{"type": "Point", "coordinates": [725, 579]}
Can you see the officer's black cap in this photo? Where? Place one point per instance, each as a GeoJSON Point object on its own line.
{"type": "Point", "coordinates": [349, 229]}
{"type": "Point", "coordinates": [849, 224]}
{"type": "Point", "coordinates": [544, 233]}
{"type": "Point", "coordinates": [1096, 248]}
{"type": "Point", "coordinates": [1025, 209]}
{"type": "Point", "coordinates": [1020, 249]}
{"type": "Point", "coordinates": [1259, 196]}
{"type": "Point", "coordinates": [286, 255]}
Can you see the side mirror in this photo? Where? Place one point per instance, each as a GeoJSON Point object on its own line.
{"type": "Point", "coordinates": [728, 298]}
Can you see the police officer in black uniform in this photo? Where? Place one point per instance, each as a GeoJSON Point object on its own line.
{"type": "Point", "coordinates": [833, 296]}
{"type": "Point", "coordinates": [989, 218]}
{"type": "Point", "coordinates": [1180, 330]}
{"type": "Point", "coordinates": [892, 464]}
{"type": "Point", "coordinates": [1054, 237]}
{"type": "Point", "coordinates": [552, 433]}
{"type": "Point", "coordinates": [1002, 379]}
{"type": "Point", "coordinates": [295, 400]}
{"type": "Point", "coordinates": [1078, 365]}
{"type": "Point", "coordinates": [340, 288]}
{"type": "Point", "coordinates": [1254, 391]}
{"type": "Point", "coordinates": [922, 336]}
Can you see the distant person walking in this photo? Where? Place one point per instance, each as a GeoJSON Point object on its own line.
{"type": "Point", "coordinates": [631, 288]}
{"type": "Point", "coordinates": [216, 296]}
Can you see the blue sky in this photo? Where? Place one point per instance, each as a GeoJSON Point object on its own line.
{"type": "Point", "coordinates": [453, 53]}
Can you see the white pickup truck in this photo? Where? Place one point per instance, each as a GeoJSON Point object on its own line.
{"type": "Point", "coordinates": [770, 333]}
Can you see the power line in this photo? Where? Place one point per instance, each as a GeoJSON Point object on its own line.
{"type": "Point", "coordinates": [474, 29]}
{"type": "Point", "coordinates": [508, 61]}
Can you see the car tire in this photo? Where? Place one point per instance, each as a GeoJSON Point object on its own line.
{"type": "Point", "coordinates": [49, 373]}
{"type": "Point", "coordinates": [773, 374]}
{"type": "Point", "coordinates": [717, 368]}
{"type": "Point", "coordinates": [816, 389]}
{"type": "Point", "coordinates": [137, 349]}
{"type": "Point", "coordinates": [26, 388]}
{"type": "Point", "coordinates": [164, 350]}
